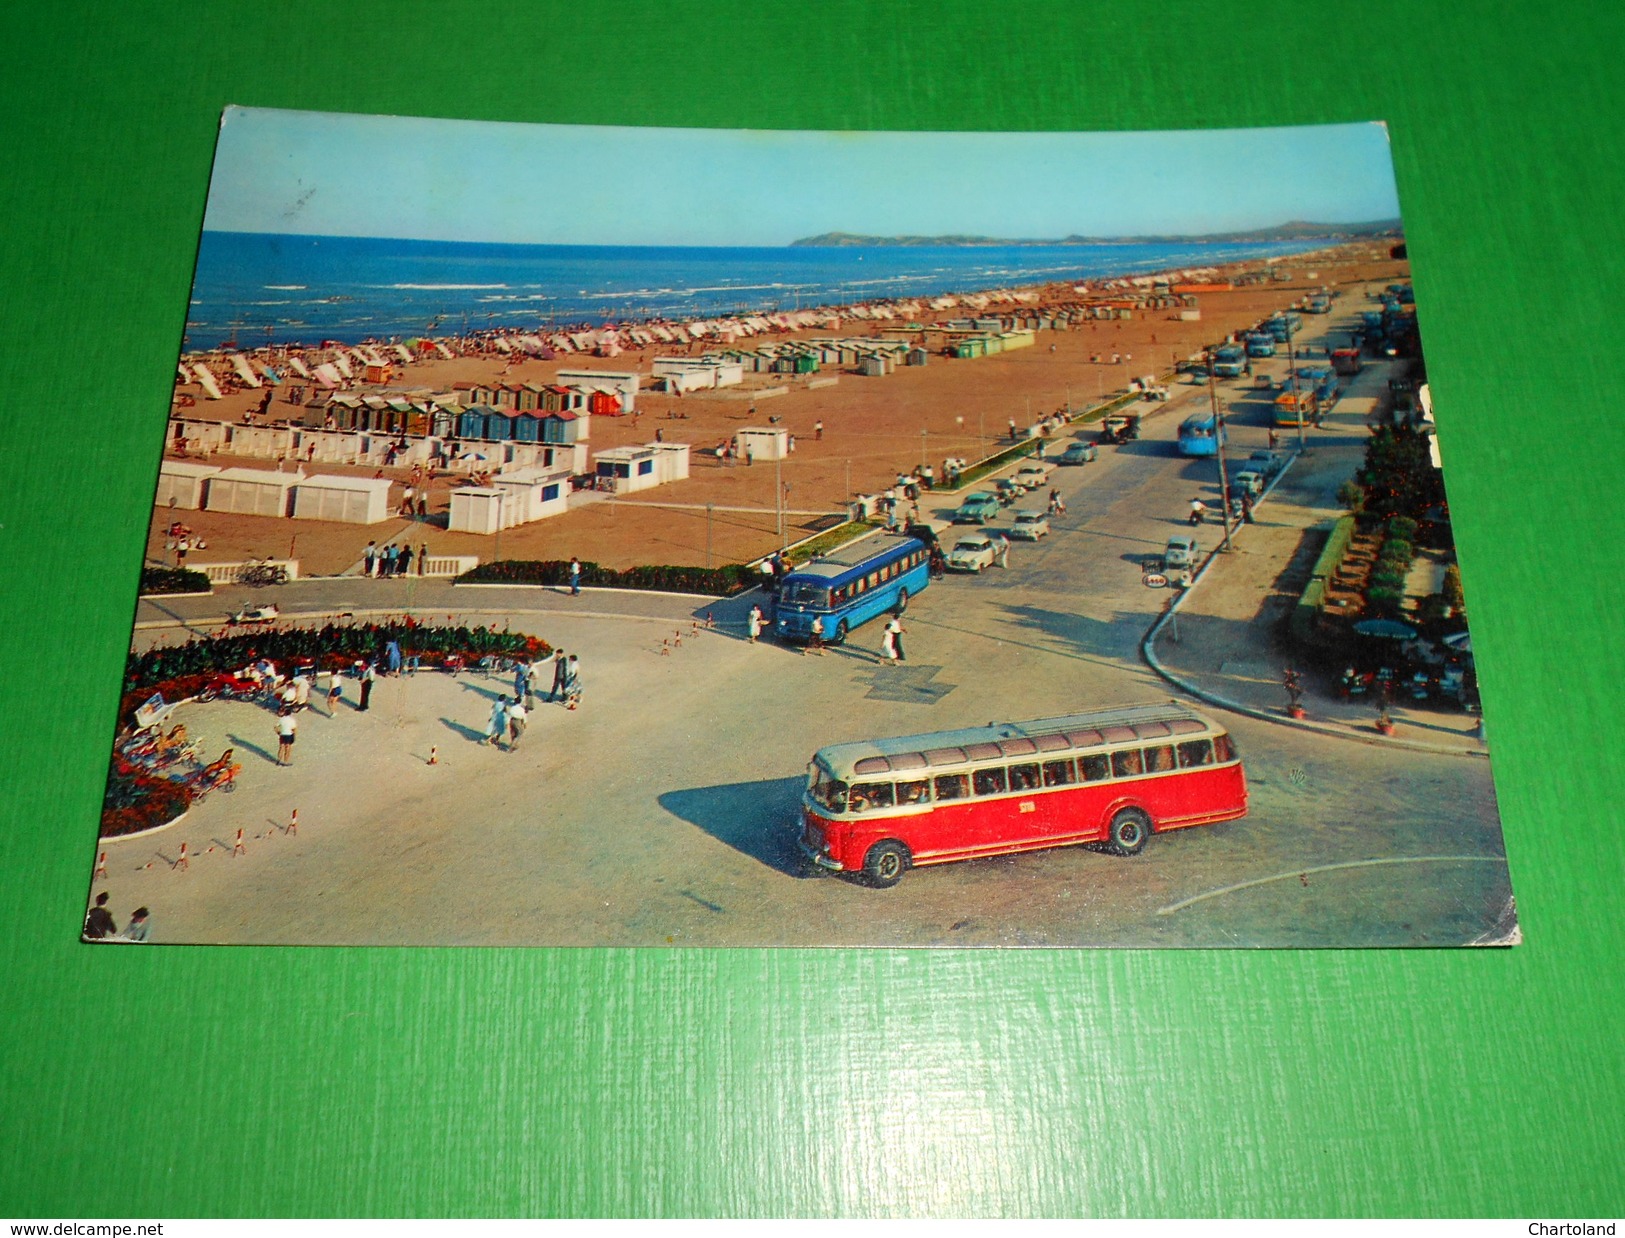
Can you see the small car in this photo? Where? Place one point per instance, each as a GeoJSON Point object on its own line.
{"type": "Point", "coordinates": [1008, 490]}
{"type": "Point", "coordinates": [1180, 554]}
{"type": "Point", "coordinates": [1248, 481]}
{"type": "Point", "coordinates": [1032, 476]}
{"type": "Point", "coordinates": [1030, 525]}
{"type": "Point", "coordinates": [1265, 463]}
{"type": "Point", "coordinates": [972, 553]}
{"type": "Point", "coordinates": [1079, 453]}
{"type": "Point", "coordinates": [977, 508]}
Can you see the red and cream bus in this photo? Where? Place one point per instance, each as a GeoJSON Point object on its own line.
{"type": "Point", "coordinates": [1113, 776]}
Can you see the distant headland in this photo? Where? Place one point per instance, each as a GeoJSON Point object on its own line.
{"type": "Point", "coordinates": [1295, 230]}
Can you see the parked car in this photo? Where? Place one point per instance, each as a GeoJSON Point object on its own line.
{"type": "Point", "coordinates": [972, 553]}
{"type": "Point", "coordinates": [1249, 481]}
{"type": "Point", "coordinates": [1180, 553]}
{"type": "Point", "coordinates": [1079, 453]}
{"type": "Point", "coordinates": [1032, 475]}
{"type": "Point", "coordinates": [977, 508]}
{"type": "Point", "coordinates": [1030, 525]}
{"type": "Point", "coordinates": [1266, 463]}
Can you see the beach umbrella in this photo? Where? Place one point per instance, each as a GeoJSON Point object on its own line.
{"type": "Point", "coordinates": [1385, 629]}
{"type": "Point", "coordinates": [1461, 642]}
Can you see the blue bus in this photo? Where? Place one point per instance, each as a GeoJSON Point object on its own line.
{"type": "Point", "coordinates": [874, 575]}
{"type": "Point", "coordinates": [1197, 437]}
{"type": "Point", "coordinates": [1229, 361]}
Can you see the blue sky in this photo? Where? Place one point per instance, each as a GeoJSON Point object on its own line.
{"type": "Point", "coordinates": [331, 174]}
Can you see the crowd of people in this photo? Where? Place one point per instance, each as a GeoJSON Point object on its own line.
{"type": "Point", "coordinates": [510, 714]}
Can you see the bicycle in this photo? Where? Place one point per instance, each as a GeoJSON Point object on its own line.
{"type": "Point", "coordinates": [261, 573]}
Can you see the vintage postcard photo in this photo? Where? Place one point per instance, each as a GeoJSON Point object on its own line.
{"type": "Point", "coordinates": [593, 536]}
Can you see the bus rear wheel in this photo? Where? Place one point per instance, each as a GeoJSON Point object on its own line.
{"type": "Point", "coordinates": [885, 864]}
{"type": "Point", "coordinates": [902, 600]}
{"type": "Point", "coordinates": [1129, 831]}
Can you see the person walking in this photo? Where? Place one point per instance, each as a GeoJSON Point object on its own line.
{"type": "Point", "coordinates": [818, 430]}
{"type": "Point", "coordinates": [406, 560]}
{"type": "Point", "coordinates": [572, 682]}
{"type": "Point", "coordinates": [895, 628]}
{"type": "Point", "coordinates": [368, 678]}
{"type": "Point", "coordinates": [369, 559]}
{"type": "Point", "coordinates": [423, 555]}
{"type": "Point", "coordinates": [392, 657]}
{"type": "Point", "coordinates": [1001, 550]}
{"type": "Point", "coordinates": [516, 722]}
{"type": "Point", "coordinates": [1198, 510]}
{"type": "Point", "coordinates": [287, 728]}
{"type": "Point", "coordinates": [334, 693]}
{"type": "Point", "coordinates": [575, 577]}
{"type": "Point", "coordinates": [1246, 507]}
{"type": "Point", "coordinates": [561, 668]}
{"type": "Point", "coordinates": [497, 723]}
{"type": "Point", "coordinates": [99, 922]}
{"type": "Point", "coordinates": [521, 680]}
{"type": "Point", "coordinates": [815, 636]}
{"type": "Point", "coordinates": [753, 623]}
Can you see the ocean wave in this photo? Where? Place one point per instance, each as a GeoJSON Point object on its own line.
{"type": "Point", "coordinates": [283, 287]}
{"type": "Point", "coordinates": [439, 287]}
{"type": "Point", "coordinates": [270, 302]}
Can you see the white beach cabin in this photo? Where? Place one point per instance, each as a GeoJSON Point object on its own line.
{"type": "Point", "coordinates": [182, 484]}
{"type": "Point", "coordinates": [251, 492]}
{"type": "Point", "coordinates": [762, 443]}
{"type": "Point", "coordinates": [347, 500]}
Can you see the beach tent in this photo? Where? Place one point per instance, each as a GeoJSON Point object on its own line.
{"type": "Point", "coordinates": [298, 367]}
{"type": "Point", "coordinates": [348, 500]}
{"type": "Point", "coordinates": [442, 350]}
{"type": "Point", "coordinates": [341, 363]}
{"type": "Point", "coordinates": [244, 372]}
{"type": "Point", "coordinates": [206, 380]}
{"type": "Point", "coordinates": [250, 492]}
{"type": "Point", "coordinates": [182, 484]}
{"type": "Point", "coordinates": [401, 352]}
{"type": "Point", "coordinates": [182, 374]}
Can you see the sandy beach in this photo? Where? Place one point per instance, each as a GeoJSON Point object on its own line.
{"type": "Point", "coordinates": [874, 428]}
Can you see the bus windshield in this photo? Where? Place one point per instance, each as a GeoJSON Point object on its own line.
{"type": "Point", "coordinates": [805, 593]}
{"type": "Point", "coordinates": [828, 792]}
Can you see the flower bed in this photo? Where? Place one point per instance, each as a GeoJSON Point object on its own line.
{"type": "Point", "coordinates": [136, 801]}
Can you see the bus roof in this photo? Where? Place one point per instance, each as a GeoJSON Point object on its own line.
{"type": "Point", "coordinates": [845, 558]}
{"type": "Point", "coordinates": [1001, 740]}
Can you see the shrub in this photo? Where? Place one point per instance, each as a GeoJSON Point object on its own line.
{"type": "Point", "coordinates": [1400, 552]}
{"type": "Point", "coordinates": [720, 581]}
{"type": "Point", "coordinates": [136, 800]}
{"type": "Point", "coordinates": [1451, 591]}
{"type": "Point", "coordinates": [1352, 496]}
{"type": "Point", "coordinates": [1384, 598]}
{"type": "Point", "coordinates": [160, 580]}
{"type": "Point", "coordinates": [1402, 528]}
{"type": "Point", "coordinates": [1387, 577]}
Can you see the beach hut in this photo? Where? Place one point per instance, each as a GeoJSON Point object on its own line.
{"type": "Point", "coordinates": [477, 509]}
{"type": "Point", "coordinates": [375, 372]}
{"type": "Point", "coordinates": [251, 492]}
{"type": "Point", "coordinates": [533, 493]}
{"type": "Point", "coordinates": [529, 397]}
{"type": "Point", "coordinates": [182, 484]}
{"type": "Point", "coordinates": [348, 500]}
{"type": "Point", "coordinates": [671, 461]}
{"type": "Point", "coordinates": [604, 404]}
{"type": "Point", "coordinates": [498, 426]}
{"type": "Point", "coordinates": [627, 469]}
{"type": "Point", "coordinates": [762, 443]}
{"type": "Point", "coordinates": [471, 422]}
{"type": "Point", "coordinates": [526, 428]}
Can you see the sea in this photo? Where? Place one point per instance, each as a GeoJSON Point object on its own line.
{"type": "Point", "coordinates": [265, 288]}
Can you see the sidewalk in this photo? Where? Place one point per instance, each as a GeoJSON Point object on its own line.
{"type": "Point", "coordinates": [1221, 642]}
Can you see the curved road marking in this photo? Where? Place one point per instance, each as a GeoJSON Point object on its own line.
{"type": "Point", "coordinates": [1327, 868]}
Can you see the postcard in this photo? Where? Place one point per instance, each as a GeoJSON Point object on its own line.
{"type": "Point", "coordinates": [572, 536]}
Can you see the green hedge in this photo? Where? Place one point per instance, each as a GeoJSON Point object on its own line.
{"type": "Point", "coordinates": [160, 580]}
{"type": "Point", "coordinates": [717, 582]}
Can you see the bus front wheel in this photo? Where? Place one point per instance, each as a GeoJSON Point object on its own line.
{"type": "Point", "coordinates": [1129, 830]}
{"type": "Point", "coordinates": [885, 864]}
{"type": "Point", "coordinates": [840, 633]}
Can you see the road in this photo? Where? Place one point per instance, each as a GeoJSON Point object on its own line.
{"type": "Point", "coordinates": [664, 810]}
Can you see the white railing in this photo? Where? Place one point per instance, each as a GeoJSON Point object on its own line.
{"type": "Point", "coordinates": [227, 573]}
{"type": "Point", "coordinates": [450, 565]}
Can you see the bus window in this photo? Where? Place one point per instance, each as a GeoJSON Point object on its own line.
{"type": "Point", "coordinates": [953, 786]}
{"type": "Point", "coordinates": [840, 597]}
{"type": "Point", "coordinates": [1223, 749]}
{"type": "Point", "coordinates": [1195, 752]}
{"type": "Point", "coordinates": [913, 792]}
{"type": "Point", "coordinates": [989, 781]}
{"type": "Point", "coordinates": [1024, 777]}
{"type": "Point", "coordinates": [1126, 762]}
{"type": "Point", "coordinates": [867, 795]}
{"type": "Point", "coordinates": [1095, 767]}
{"type": "Point", "coordinates": [831, 794]}
{"type": "Point", "coordinates": [1159, 759]}
{"type": "Point", "coordinates": [1059, 773]}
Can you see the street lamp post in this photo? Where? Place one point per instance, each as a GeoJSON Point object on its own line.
{"type": "Point", "coordinates": [1292, 360]}
{"type": "Point", "coordinates": [1218, 438]}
